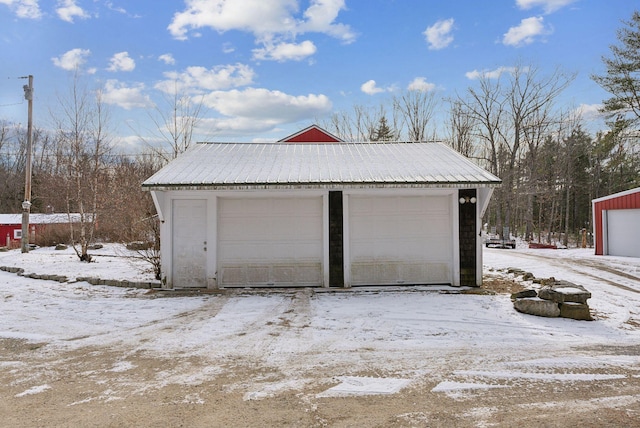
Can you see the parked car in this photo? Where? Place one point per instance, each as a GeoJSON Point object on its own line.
{"type": "Point", "coordinates": [496, 241]}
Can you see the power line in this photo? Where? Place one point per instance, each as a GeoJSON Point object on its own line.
{"type": "Point", "coordinates": [14, 104]}
{"type": "Point", "coordinates": [21, 101]}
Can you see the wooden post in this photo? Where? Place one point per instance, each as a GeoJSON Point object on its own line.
{"type": "Point", "coordinates": [26, 205]}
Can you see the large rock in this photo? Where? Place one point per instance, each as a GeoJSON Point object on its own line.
{"type": "Point", "coordinates": [524, 294]}
{"type": "Point", "coordinates": [576, 311]}
{"type": "Point", "coordinates": [564, 291]}
{"type": "Point", "coordinates": [539, 307]}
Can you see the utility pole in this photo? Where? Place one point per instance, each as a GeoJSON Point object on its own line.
{"type": "Point", "coordinates": [26, 205]}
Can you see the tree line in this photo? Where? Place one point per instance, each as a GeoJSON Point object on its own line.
{"type": "Point", "coordinates": [511, 124]}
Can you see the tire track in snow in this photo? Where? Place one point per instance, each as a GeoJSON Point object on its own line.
{"type": "Point", "coordinates": [569, 264]}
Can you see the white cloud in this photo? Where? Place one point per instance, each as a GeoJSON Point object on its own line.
{"type": "Point", "coordinates": [24, 8]}
{"type": "Point", "coordinates": [115, 8]}
{"type": "Point", "coordinates": [236, 126]}
{"type": "Point", "coordinates": [285, 51]}
{"type": "Point", "coordinates": [167, 59]}
{"type": "Point", "coordinates": [127, 97]}
{"type": "Point", "coordinates": [590, 111]}
{"type": "Point", "coordinates": [321, 15]}
{"type": "Point", "coordinates": [491, 74]}
{"type": "Point", "coordinates": [71, 60]}
{"type": "Point", "coordinates": [196, 79]}
{"type": "Point", "coordinates": [549, 6]}
{"type": "Point", "coordinates": [275, 22]}
{"type": "Point", "coordinates": [255, 16]}
{"type": "Point", "coordinates": [131, 143]}
{"type": "Point", "coordinates": [526, 32]}
{"type": "Point", "coordinates": [439, 34]}
{"type": "Point", "coordinates": [421, 84]}
{"type": "Point", "coordinates": [263, 105]}
{"type": "Point", "coordinates": [121, 62]}
{"type": "Point", "coordinates": [370, 87]}
{"type": "Point", "coordinates": [68, 9]}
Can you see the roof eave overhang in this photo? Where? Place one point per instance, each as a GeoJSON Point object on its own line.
{"type": "Point", "coordinates": [320, 186]}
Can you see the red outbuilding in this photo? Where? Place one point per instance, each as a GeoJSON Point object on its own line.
{"type": "Point", "coordinates": [39, 226]}
{"type": "Point", "coordinates": [616, 223]}
{"type": "Point", "coordinates": [311, 134]}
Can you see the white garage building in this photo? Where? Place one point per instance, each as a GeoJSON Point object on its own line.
{"type": "Point", "coordinates": [320, 215]}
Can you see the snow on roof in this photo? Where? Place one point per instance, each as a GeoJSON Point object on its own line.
{"type": "Point", "coordinates": [242, 165]}
{"type": "Point", "coordinates": [54, 218]}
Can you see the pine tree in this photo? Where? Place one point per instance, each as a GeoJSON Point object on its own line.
{"type": "Point", "coordinates": [383, 132]}
{"type": "Point", "coordinates": [622, 79]}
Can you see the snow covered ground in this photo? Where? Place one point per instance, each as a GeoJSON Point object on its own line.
{"type": "Point", "coordinates": [465, 342]}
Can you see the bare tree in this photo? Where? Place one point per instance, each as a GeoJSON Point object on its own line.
{"type": "Point", "coordinates": [10, 168]}
{"type": "Point", "coordinates": [509, 112]}
{"type": "Point", "coordinates": [130, 216]}
{"type": "Point", "coordinates": [4, 133]}
{"type": "Point", "coordinates": [82, 134]}
{"type": "Point", "coordinates": [485, 107]}
{"type": "Point", "coordinates": [340, 125]}
{"type": "Point", "coordinates": [460, 130]}
{"type": "Point", "coordinates": [416, 108]}
{"type": "Point", "coordinates": [175, 122]}
{"type": "Point", "coordinates": [362, 123]}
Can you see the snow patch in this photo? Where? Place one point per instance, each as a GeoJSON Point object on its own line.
{"type": "Point", "coordinates": [269, 390]}
{"type": "Point", "coordinates": [33, 390]}
{"type": "Point", "coordinates": [448, 386]}
{"type": "Point", "coordinates": [569, 290]}
{"type": "Point", "coordinates": [353, 385]}
{"type": "Point", "coordinates": [122, 366]}
{"type": "Point", "coordinates": [562, 377]}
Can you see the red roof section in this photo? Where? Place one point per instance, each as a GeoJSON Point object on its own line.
{"type": "Point", "coordinates": [311, 134]}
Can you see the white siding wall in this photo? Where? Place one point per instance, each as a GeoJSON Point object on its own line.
{"type": "Point", "coordinates": [411, 236]}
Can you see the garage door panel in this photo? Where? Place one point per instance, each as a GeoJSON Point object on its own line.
{"type": "Point", "coordinates": [623, 232]}
{"type": "Point", "coordinates": [265, 275]}
{"type": "Point", "coordinates": [437, 225]}
{"type": "Point", "coordinates": [395, 272]}
{"type": "Point", "coordinates": [270, 242]}
{"type": "Point", "coordinates": [397, 240]}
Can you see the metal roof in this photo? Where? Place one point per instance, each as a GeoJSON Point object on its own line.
{"type": "Point", "coordinates": [54, 218]}
{"type": "Point", "coordinates": [617, 195]}
{"type": "Point", "coordinates": [321, 165]}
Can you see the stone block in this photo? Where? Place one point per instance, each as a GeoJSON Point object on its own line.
{"type": "Point", "coordinates": [576, 311]}
{"type": "Point", "coordinates": [528, 276]}
{"type": "Point", "coordinates": [539, 307]}
{"type": "Point", "coordinates": [564, 291]}
{"type": "Point", "coordinates": [524, 294]}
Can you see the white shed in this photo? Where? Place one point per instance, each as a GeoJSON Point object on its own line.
{"type": "Point", "coordinates": [320, 215]}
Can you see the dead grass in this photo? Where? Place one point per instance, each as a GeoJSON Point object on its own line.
{"type": "Point", "coordinates": [501, 285]}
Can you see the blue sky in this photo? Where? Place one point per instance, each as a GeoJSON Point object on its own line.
{"type": "Point", "coordinates": [267, 68]}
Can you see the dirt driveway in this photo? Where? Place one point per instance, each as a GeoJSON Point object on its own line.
{"type": "Point", "coordinates": [93, 388]}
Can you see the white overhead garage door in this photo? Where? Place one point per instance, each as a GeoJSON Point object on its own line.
{"type": "Point", "coordinates": [270, 242]}
{"type": "Point", "coordinates": [623, 232]}
{"type": "Point", "coordinates": [400, 240]}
